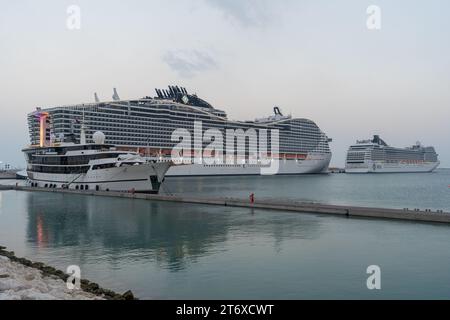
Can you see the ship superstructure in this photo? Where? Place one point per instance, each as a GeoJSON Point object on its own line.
{"type": "Point", "coordinates": [91, 165]}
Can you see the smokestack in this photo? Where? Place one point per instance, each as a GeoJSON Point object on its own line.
{"type": "Point", "coordinates": [115, 95]}
{"type": "Point", "coordinates": [96, 97]}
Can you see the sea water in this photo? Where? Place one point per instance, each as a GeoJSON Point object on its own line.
{"type": "Point", "coordinates": [164, 250]}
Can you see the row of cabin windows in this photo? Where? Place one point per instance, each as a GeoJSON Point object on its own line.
{"type": "Point", "coordinates": [72, 161]}
{"type": "Point", "coordinates": [165, 122]}
{"type": "Point", "coordinates": [71, 170]}
{"type": "Point", "coordinates": [61, 170]}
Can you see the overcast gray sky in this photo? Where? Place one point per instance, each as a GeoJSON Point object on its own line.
{"type": "Point", "coordinates": [315, 59]}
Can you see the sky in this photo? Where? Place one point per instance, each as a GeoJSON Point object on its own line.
{"type": "Point", "coordinates": [314, 59]}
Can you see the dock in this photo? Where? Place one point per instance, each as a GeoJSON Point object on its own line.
{"type": "Point", "coordinates": [8, 175]}
{"type": "Point", "coordinates": [267, 204]}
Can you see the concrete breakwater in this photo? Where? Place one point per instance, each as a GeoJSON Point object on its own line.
{"type": "Point", "coordinates": [271, 204]}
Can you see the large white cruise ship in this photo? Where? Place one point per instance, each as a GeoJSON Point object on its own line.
{"type": "Point", "coordinates": [146, 125]}
{"type": "Point", "coordinates": [375, 156]}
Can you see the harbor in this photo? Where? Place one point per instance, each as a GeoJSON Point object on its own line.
{"type": "Point", "coordinates": [165, 249]}
{"type": "Point", "coordinates": [67, 178]}
{"type": "Point", "coordinates": [288, 150]}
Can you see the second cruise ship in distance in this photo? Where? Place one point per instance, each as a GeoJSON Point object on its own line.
{"type": "Point", "coordinates": [147, 124]}
{"type": "Point", "coordinates": [376, 156]}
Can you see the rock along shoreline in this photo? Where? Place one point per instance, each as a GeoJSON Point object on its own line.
{"type": "Point", "coordinates": [89, 290]}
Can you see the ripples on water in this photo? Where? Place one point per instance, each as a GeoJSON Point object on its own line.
{"type": "Point", "coordinates": [168, 250]}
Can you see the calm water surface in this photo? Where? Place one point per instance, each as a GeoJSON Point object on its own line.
{"type": "Point", "coordinates": [164, 250]}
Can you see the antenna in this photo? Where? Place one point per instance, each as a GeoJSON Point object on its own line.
{"type": "Point", "coordinates": [96, 97]}
{"type": "Point", "coordinates": [115, 95]}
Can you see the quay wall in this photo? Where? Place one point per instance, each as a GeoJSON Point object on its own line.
{"type": "Point", "coordinates": [279, 205]}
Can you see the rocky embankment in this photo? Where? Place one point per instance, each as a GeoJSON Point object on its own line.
{"type": "Point", "coordinates": [22, 279]}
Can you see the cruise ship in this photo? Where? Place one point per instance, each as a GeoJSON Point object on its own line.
{"type": "Point", "coordinates": [376, 156]}
{"type": "Point", "coordinates": [146, 126]}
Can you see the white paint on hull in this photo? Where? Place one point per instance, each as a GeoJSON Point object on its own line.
{"type": "Point", "coordinates": [126, 178]}
{"type": "Point", "coordinates": [314, 163]}
{"type": "Point", "coordinates": [381, 167]}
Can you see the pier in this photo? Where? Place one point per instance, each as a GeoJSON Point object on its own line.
{"type": "Point", "coordinates": [267, 204]}
{"type": "Point", "coordinates": [8, 175]}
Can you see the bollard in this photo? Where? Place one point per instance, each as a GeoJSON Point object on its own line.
{"type": "Point", "coordinates": [252, 198]}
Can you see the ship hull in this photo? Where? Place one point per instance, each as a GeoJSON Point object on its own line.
{"type": "Point", "coordinates": [381, 167]}
{"type": "Point", "coordinates": [314, 163]}
{"type": "Point", "coordinates": [145, 178]}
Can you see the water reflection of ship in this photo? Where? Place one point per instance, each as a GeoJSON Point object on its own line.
{"type": "Point", "coordinates": [173, 236]}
